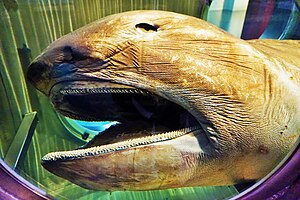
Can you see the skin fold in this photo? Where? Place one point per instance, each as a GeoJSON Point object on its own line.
{"type": "Point", "coordinates": [244, 96]}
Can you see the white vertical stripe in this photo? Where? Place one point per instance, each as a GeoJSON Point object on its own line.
{"type": "Point", "coordinates": [238, 17]}
{"type": "Point", "coordinates": [214, 15]}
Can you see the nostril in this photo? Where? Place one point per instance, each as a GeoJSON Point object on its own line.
{"type": "Point", "coordinates": [36, 70]}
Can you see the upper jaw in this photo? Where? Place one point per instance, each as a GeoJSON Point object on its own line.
{"type": "Point", "coordinates": [95, 95]}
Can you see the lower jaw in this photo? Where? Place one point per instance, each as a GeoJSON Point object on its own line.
{"type": "Point", "coordinates": [159, 165]}
{"type": "Point", "coordinates": [121, 145]}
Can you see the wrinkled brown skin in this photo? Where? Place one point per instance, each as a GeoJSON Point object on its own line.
{"type": "Point", "coordinates": [247, 90]}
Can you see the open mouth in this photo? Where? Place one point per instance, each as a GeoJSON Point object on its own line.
{"type": "Point", "coordinates": [144, 117]}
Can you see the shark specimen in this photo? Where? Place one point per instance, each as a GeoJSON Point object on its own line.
{"type": "Point", "coordinates": [195, 105]}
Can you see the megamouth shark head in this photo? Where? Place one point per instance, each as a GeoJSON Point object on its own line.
{"type": "Point", "coordinates": [195, 105]}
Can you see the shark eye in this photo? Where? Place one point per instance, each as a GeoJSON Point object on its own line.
{"type": "Point", "coordinates": [145, 27]}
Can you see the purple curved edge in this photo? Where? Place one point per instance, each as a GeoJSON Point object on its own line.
{"type": "Point", "coordinates": [14, 187]}
{"type": "Point", "coordinates": [284, 184]}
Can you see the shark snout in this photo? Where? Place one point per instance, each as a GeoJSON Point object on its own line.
{"type": "Point", "coordinates": [42, 71]}
{"type": "Point", "coordinates": [53, 64]}
{"type": "Point", "coordinates": [38, 74]}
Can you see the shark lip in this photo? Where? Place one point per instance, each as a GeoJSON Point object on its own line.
{"type": "Point", "coordinates": [118, 146]}
{"type": "Point", "coordinates": [145, 118]}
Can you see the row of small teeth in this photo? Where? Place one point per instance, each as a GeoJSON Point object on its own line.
{"type": "Point", "coordinates": [103, 91]}
{"type": "Point", "coordinates": [98, 150]}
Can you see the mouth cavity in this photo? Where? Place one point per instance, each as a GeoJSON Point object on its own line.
{"type": "Point", "coordinates": [144, 117]}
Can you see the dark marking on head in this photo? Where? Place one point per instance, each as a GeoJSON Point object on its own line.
{"type": "Point", "coordinates": [71, 53]}
{"type": "Point", "coordinates": [147, 27]}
